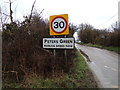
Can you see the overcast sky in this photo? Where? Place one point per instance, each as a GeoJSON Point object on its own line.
{"type": "Point", "coordinates": [99, 13]}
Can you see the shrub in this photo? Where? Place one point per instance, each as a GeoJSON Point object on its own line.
{"type": "Point", "coordinates": [23, 53]}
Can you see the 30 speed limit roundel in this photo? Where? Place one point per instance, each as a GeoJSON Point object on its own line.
{"type": "Point", "coordinates": [59, 25]}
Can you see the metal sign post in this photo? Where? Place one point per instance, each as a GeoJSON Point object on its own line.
{"type": "Point", "coordinates": [54, 53]}
{"type": "Point", "coordinates": [65, 54]}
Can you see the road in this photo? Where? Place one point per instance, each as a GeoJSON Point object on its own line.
{"type": "Point", "coordinates": [104, 64]}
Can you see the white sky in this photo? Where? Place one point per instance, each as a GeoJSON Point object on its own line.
{"type": "Point", "coordinates": [98, 13]}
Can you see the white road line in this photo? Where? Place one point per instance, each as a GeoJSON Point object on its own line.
{"type": "Point", "coordinates": [110, 68]}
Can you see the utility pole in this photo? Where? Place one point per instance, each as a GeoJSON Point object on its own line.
{"type": "Point", "coordinates": [119, 12]}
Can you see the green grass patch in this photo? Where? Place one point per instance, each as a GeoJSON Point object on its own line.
{"type": "Point", "coordinates": [115, 49]}
{"type": "Point", "coordinates": [79, 77]}
{"type": "Point", "coordinates": [83, 74]}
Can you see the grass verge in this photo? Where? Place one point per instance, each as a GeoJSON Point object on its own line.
{"type": "Point", "coordinates": [79, 77]}
{"type": "Point", "coordinates": [115, 49]}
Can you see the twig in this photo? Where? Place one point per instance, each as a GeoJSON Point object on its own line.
{"type": "Point", "coordinates": [31, 11]}
{"type": "Point", "coordinates": [41, 12]}
{"type": "Point", "coordinates": [4, 14]}
{"type": "Point", "coordinates": [29, 19]}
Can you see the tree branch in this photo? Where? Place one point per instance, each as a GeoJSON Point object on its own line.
{"type": "Point", "coordinates": [4, 14]}
{"type": "Point", "coordinates": [31, 11]}
{"type": "Point", "coordinates": [11, 12]}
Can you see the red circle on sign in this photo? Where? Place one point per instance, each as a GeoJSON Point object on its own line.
{"type": "Point", "coordinates": [65, 22]}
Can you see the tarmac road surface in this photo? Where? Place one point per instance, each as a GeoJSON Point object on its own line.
{"type": "Point", "coordinates": [104, 64]}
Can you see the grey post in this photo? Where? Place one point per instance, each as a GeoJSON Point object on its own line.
{"type": "Point", "coordinates": [65, 54]}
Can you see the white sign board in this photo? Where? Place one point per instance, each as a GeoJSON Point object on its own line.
{"type": "Point", "coordinates": [62, 43]}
